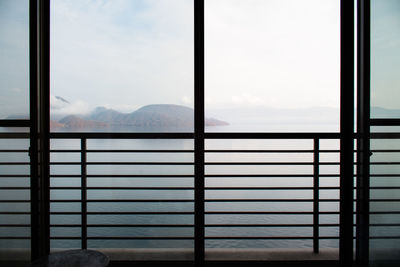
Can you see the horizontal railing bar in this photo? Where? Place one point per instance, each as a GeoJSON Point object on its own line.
{"type": "Point", "coordinates": [142, 225]}
{"type": "Point", "coordinates": [191, 213]}
{"type": "Point", "coordinates": [14, 237]}
{"type": "Point", "coordinates": [268, 237]}
{"type": "Point", "coordinates": [264, 200]}
{"type": "Point", "coordinates": [384, 163]}
{"type": "Point", "coordinates": [385, 150]}
{"type": "Point", "coordinates": [270, 188]}
{"type": "Point", "coordinates": [270, 212]}
{"type": "Point", "coordinates": [121, 238]}
{"type": "Point", "coordinates": [121, 151]}
{"type": "Point", "coordinates": [267, 175]}
{"type": "Point", "coordinates": [123, 188]}
{"type": "Point", "coordinates": [384, 187]}
{"type": "Point", "coordinates": [123, 213]}
{"type": "Point", "coordinates": [384, 237]}
{"type": "Point", "coordinates": [14, 150]}
{"type": "Point", "coordinates": [175, 188]}
{"type": "Point", "coordinates": [129, 135]}
{"type": "Point", "coordinates": [9, 135]}
{"type": "Point", "coordinates": [122, 163]}
{"type": "Point", "coordinates": [121, 200]}
{"type": "Point", "coordinates": [185, 225]}
{"type": "Point", "coordinates": [174, 200]}
{"type": "Point", "coordinates": [15, 225]}
{"type": "Point", "coordinates": [14, 163]}
{"type": "Point", "coordinates": [269, 200]}
{"type": "Point", "coordinates": [190, 238]}
{"type": "Point", "coordinates": [384, 200]}
{"type": "Point", "coordinates": [385, 122]}
{"type": "Point", "coordinates": [209, 176]}
{"type": "Point", "coordinates": [271, 135]}
{"type": "Point", "coordinates": [384, 212]}
{"type": "Point", "coordinates": [384, 224]}
{"type": "Point", "coordinates": [141, 176]}
{"type": "Point", "coordinates": [263, 151]}
{"type": "Point", "coordinates": [187, 151]}
{"type": "Point", "coordinates": [258, 163]}
{"type": "Point", "coordinates": [15, 188]}
{"type": "Point", "coordinates": [123, 176]}
{"type": "Point", "coordinates": [388, 135]}
{"type": "Point", "coordinates": [258, 225]}
{"type": "Point", "coordinates": [15, 123]}
{"type": "Point", "coordinates": [182, 200]}
{"type": "Point", "coordinates": [106, 163]}
{"type": "Point", "coordinates": [384, 175]}
{"type": "Point", "coordinates": [14, 201]}
{"type": "Point", "coordinates": [15, 212]}
{"type": "Point", "coordinates": [14, 175]}
{"type": "Point", "coordinates": [188, 135]}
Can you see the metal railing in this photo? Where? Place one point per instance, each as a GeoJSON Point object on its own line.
{"type": "Point", "coordinates": [142, 193]}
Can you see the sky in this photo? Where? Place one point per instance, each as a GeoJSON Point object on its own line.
{"type": "Point", "coordinates": [385, 55]}
{"type": "Point", "coordinates": [124, 54]}
{"type": "Point", "coordinates": [14, 58]}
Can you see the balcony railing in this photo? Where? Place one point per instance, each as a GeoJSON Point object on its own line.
{"type": "Point", "coordinates": [136, 190]}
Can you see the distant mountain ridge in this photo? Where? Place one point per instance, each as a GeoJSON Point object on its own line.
{"type": "Point", "coordinates": [157, 116]}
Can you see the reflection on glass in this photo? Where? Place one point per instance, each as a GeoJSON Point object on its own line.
{"type": "Point", "coordinates": [272, 65]}
{"type": "Point", "coordinates": [385, 59]}
{"type": "Point", "coordinates": [122, 65]}
{"type": "Point", "coordinates": [14, 59]}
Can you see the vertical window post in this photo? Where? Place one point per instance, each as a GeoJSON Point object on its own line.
{"type": "Point", "coordinates": [346, 132]}
{"type": "Point", "coordinates": [199, 131]}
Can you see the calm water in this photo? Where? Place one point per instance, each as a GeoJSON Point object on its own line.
{"type": "Point", "coordinates": [182, 194]}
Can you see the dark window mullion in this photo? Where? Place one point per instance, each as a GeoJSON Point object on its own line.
{"type": "Point", "coordinates": [199, 244]}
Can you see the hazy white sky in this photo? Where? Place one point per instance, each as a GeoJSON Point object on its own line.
{"type": "Point", "coordinates": [129, 53]}
{"type": "Point", "coordinates": [125, 54]}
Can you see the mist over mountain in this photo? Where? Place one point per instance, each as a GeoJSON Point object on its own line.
{"type": "Point", "coordinates": [158, 116]}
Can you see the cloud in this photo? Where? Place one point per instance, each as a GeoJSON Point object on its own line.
{"type": "Point", "coordinates": [133, 52]}
{"type": "Point", "coordinates": [61, 108]}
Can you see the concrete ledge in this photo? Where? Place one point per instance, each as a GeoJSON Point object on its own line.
{"type": "Point", "coordinates": [187, 254]}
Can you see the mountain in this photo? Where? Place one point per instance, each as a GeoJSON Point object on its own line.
{"type": "Point", "coordinates": [160, 115]}
{"type": "Point", "coordinates": [74, 122]}
{"type": "Point", "coordinates": [150, 117]}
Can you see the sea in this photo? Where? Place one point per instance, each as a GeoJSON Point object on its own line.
{"type": "Point", "coordinates": [225, 226]}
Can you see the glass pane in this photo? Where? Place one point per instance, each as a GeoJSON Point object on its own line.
{"type": "Point", "coordinates": [385, 199]}
{"type": "Point", "coordinates": [385, 59]}
{"type": "Point", "coordinates": [14, 59]}
{"type": "Point", "coordinates": [272, 65]}
{"type": "Point", "coordinates": [122, 65]}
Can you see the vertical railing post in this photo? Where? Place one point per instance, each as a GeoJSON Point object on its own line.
{"type": "Point", "coordinates": [83, 194]}
{"type": "Point", "coordinates": [316, 197]}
